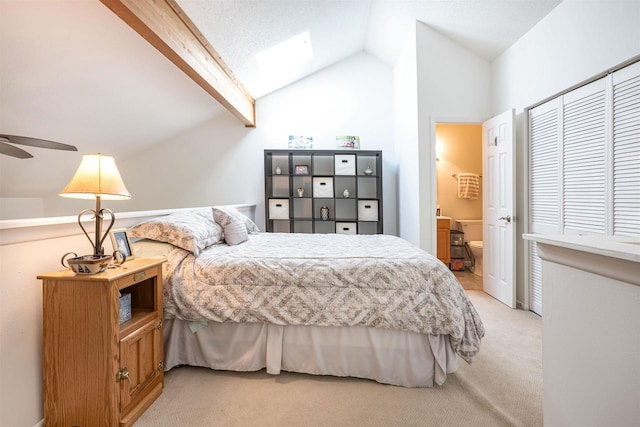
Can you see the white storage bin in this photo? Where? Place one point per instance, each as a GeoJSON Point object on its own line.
{"type": "Point", "coordinates": [278, 208]}
{"type": "Point", "coordinates": [345, 164]}
{"type": "Point", "coordinates": [323, 187]}
{"type": "Point", "coordinates": [346, 228]}
{"type": "Point", "coordinates": [367, 210]}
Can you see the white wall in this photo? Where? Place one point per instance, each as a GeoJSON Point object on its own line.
{"type": "Point", "coordinates": [21, 324]}
{"type": "Point", "coordinates": [222, 162]}
{"type": "Point", "coordinates": [405, 91]}
{"type": "Point", "coordinates": [21, 207]}
{"type": "Point", "coordinates": [576, 41]}
{"type": "Point", "coordinates": [435, 80]}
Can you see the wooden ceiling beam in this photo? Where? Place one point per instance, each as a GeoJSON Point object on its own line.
{"type": "Point", "coordinates": [165, 25]}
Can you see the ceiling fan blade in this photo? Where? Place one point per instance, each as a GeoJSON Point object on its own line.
{"type": "Point", "coordinates": [12, 151]}
{"type": "Point", "coordinates": [40, 143]}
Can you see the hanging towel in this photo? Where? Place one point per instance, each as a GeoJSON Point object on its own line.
{"type": "Point", "coordinates": [468, 186]}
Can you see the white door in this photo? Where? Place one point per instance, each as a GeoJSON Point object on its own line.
{"type": "Point", "coordinates": [499, 250]}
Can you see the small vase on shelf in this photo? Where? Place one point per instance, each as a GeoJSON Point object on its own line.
{"type": "Point", "coordinates": [324, 213]}
{"type": "Point", "coordinates": [300, 191]}
{"type": "Point", "coordinates": [368, 171]}
{"type": "Point", "coordinates": [345, 193]}
{"type": "Point", "coordinates": [278, 170]}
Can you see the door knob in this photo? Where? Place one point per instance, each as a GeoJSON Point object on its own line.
{"type": "Point", "coordinates": [506, 218]}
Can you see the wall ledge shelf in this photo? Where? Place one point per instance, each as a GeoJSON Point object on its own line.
{"type": "Point", "coordinates": [616, 257]}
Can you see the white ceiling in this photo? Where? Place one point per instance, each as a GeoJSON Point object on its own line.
{"type": "Point", "coordinates": [73, 72]}
{"type": "Point", "coordinates": [240, 29]}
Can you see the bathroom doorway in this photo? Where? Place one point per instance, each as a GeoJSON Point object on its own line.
{"type": "Point", "coordinates": [459, 151]}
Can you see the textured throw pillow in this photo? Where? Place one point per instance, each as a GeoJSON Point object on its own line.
{"type": "Point", "coordinates": [233, 212]}
{"type": "Point", "coordinates": [190, 230]}
{"type": "Point", "coordinates": [235, 230]}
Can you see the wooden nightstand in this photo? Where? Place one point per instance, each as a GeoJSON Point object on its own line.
{"type": "Point", "coordinates": [96, 370]}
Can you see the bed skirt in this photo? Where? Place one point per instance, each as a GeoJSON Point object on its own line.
{"type": "Point", "coordinates": [407, 359]}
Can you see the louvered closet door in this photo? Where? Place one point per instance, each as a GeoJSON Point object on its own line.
{"type": "Point", "coordinates": [593, 185]}
{"type": "Point", "coordinates": [544, 182]}
{"type": "Point", "coordinates": [544, 168]}
{"type": "Point", "coordinates": [626, 151]}
{"type": "Point", "coordinates": [584, 160]}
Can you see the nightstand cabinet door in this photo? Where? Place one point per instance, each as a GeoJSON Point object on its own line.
{"type": "Point", "coordinates": [141, 356]}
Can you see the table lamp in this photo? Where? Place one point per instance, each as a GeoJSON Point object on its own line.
{"type": "Point", "coordinates": [97, 177]}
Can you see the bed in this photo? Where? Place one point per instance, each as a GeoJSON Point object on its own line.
{"type": "Point", "coordinates": [371, 307]}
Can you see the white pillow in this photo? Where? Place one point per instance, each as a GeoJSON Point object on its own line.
{"type": "Point", "coordinates": [233, 212]}
{"type": "Point", "coordinates": [234, 229]}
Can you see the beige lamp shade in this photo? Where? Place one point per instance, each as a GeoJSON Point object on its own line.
{"type": "Point", "coordinates": [97, 175]}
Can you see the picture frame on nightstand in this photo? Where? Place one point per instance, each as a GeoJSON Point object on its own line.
{"type": "Point", "coordinates": [121, 243]}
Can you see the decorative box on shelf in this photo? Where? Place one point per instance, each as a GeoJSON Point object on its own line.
{"type": "Point", "coordinates": [278, 208]}
{"type": "Point", "coordinates": [367, 210]}
{"type": "Point", "coordinates": [346, 228]}
{"type": "Point", "coordinates": [323, 187]}
{"type": "Point", "coordinates": [345, 164]}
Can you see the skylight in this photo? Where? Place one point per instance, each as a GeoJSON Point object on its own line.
{"type": "Point", "coordinates": [293, 51]}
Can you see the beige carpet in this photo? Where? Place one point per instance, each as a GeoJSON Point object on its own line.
{"type": "Point", "coordinates": [502, 387]}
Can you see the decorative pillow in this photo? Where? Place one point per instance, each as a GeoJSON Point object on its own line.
{"type": "Point", "coordinates": [235, 230]}
{"type": "Point", "coordinates": [233, 212]}
{"type": "Point", "coordinates": [191, 230]}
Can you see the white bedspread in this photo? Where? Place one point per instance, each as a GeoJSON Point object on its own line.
{"type": "Point", "coordinates": [327, 280]}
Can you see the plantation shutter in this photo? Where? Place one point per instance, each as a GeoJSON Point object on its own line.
{"type": "Point", "coordinates": [626, 151]}
{"type": "Point", "coordinates": [584, 166]}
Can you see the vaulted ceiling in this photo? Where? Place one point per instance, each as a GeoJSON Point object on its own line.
{"type": "Point", "coordinates": [71, 71]}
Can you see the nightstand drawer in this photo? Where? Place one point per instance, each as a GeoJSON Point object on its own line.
{"type": "Point", "coordinates": [137, 277]}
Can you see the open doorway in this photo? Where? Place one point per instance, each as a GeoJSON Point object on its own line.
{"type": "Point", "coordinates": [459, 172]}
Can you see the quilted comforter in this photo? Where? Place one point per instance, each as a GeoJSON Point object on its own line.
{"type": "Point", "coordinates": [327, 280]}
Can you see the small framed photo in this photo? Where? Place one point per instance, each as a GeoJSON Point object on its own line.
{"type": "Point", "coordinates": [121, 243]}
{"type": "Point", "coordinates": [348, 141]}
{"type": "Point", "coordinates": [302, 170]}
{"type": "Point", "coordinates": [299, 142]}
